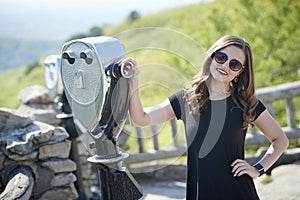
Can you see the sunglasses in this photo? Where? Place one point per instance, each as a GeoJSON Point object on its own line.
{"type": "Point", "coordinates": [221, 58]}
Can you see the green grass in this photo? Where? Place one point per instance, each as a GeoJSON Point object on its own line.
{"type": "Point", "coordinates": [13, 81]}
{"type": "Point", "coordinates": [267, 180]}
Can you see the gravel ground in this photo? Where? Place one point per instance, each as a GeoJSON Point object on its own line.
{"type": "Point", "coordinates": [285, 185]}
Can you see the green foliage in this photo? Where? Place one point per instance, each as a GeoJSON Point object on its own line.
{"type": "Point", "coordinates": [31, 67]}
{"type": "Point", "coordinates": [93, 32]}
{"type": "Point", "coordinates": [77, 36]}
{"type": "Point", "coordinates": [272, 27]}
{"type": "Point", "coordinates": [267, 180]}
{"type": "Point", "coordinates": [133, 15]}
{"type": "Point", "coordinates": [96, 31]}
{"type": "Point", "coordinates": [273, 35]}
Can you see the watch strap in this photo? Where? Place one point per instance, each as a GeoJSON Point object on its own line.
{"type": "Point", "coordinates": [260, 168]}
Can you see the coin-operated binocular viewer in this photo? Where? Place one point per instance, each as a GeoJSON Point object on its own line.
{"type": "Point", "coordinates": [56, 93]}
{"type": "Point", "coordinates": [97, 89]}
{"type": "Point", "coordinates": [52, 76]}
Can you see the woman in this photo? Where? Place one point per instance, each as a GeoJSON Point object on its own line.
{"type": "Point", "coordinates": [216, 110]}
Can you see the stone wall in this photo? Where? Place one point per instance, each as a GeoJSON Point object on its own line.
{"type": "Point", "coordinates": [41, 147]}
{"type": "Point", "coordinates": [32, 136]}
{"type": "Point", "coordinates": [87, 169]}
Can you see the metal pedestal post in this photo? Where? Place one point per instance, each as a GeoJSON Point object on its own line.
{"type": "Point", "coordinates": [116, 183]}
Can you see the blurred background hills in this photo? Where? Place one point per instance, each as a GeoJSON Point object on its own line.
{"type": "Point", "coordinates": [34, 28]}
{"type": "Point", "coordinates": [272, 27]}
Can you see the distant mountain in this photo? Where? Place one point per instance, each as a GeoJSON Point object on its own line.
{"type": "Point", "coordinates": [19, 52]}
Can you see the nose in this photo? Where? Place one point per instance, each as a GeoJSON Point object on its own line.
{"type": "Point", "coordinates": [225, 63]}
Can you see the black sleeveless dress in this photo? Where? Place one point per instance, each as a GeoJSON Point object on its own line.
{"type": "Point", "coordinates": [215, 138]}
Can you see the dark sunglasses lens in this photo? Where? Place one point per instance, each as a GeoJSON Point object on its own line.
{"type": "Point", "coordinates": [235, 65]}
{"type": "Point", "coordinates": [220, 57]}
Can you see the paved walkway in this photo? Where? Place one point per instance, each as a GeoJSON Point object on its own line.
{"type": "Point", "coordinates": [284, 186]}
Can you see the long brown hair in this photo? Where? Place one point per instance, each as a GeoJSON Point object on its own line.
{"type": "Point", "coordinates": [243, 91]}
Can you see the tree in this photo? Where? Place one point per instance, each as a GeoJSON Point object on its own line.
{"type": "Point", "coordinates": [95, 31]}
{"type": "Point", "coordinates": [78, 36]}
{"type": "Point", "coordinates": [133, 15]}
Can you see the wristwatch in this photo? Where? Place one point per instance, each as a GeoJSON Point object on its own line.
{"type": "Point", "coordinates": [260, 168]}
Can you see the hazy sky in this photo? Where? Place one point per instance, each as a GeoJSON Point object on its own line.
{"type": "Point", "coordinates": [58, 19]}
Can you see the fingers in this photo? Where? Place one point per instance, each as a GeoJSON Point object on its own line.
{"type": "Point", "coordinates": [132, 63]}
{"type": "Point", "coordinates": [241, 167]}
{"type": "Point", "coordinates": [130, 60]}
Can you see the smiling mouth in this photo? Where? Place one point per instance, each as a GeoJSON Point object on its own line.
{"type": "Point", "coordinates": [221, 71]}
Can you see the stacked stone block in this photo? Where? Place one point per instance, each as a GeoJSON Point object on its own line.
{"type": "Point", "coordinates": [41, 147]}
{"type": "Point", "coordinates": [35, 103]}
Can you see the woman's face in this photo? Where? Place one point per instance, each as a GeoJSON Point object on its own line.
{"type": "Point", "coordinates": [222, 72]}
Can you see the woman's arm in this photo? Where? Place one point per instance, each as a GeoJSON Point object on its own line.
{"type": "Point", "coordinates": [279, 143]}
{"type": "Point", "coordinates": [149, 116]}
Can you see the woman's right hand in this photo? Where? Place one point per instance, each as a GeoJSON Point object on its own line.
{"type": "Point", "coordinates": [138, 115]}
{"type": "Point", "coordinates": [133, 80]}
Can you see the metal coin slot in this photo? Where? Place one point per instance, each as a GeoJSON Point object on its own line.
{"type": "Point", "coordinates": [80, 79]}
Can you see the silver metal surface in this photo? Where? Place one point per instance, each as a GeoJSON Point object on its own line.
{"type": "Point", "coordinates": [52, 75]}
{"type": "Point", "coordinates": [83, 75]}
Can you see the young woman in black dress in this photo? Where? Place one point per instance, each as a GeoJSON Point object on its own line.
{"type": "Point", "coordinates": [216, 110]}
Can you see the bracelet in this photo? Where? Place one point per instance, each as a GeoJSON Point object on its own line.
{"type": "Point", "coordinates": [260, 168]}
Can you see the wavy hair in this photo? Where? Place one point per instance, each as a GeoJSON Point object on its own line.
{"type": "Point", "coordinates": [243, 91]}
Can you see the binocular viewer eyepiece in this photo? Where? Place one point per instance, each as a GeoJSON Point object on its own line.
{"type": "Point", "coordinates": [86, 55]}
{"type": "Point", "coordinates": [117, 71]}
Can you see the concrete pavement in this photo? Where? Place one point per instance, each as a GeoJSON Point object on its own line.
{"type": "Point", "coordinates": [285, 185]}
